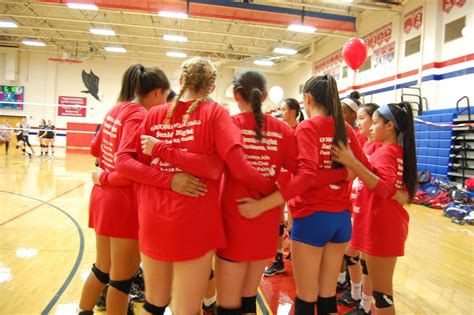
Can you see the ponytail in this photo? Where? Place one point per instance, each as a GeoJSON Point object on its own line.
{"type": "Point", "coordinates": [252, 86]}
{"type": "Point", "coordinates": [324, 91]}
{"type": "Point", "coordinates": [409, 151]}
{"type": "Point", "coordinates": [138, 81]}
{"type": "Point", "coordinates": [332, 99]}
{"type": "Point", "coordinates": [295, 105]}
{"type": "Point", "coordinates": [255, 100]}
{"type": "Point", "coordinates": [130, 80]}
{"type": "Point", "coordinates": [300, 115]}
{"type": "Point", "coordinates": [401, 115]}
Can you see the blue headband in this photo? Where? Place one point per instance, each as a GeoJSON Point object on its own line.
{"type": "Point", "coordinates": [385, 111]}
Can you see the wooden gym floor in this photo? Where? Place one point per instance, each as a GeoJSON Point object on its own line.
{"type": "Point", "coordinates": [46, 249]}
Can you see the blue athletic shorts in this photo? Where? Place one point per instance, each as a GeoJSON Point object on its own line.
{"type": "Point", "coordinates": [320, 228]}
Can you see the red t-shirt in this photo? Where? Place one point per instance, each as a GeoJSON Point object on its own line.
{"type": "Point", "coordinates": [314, 139]}
{"type": "Point", "coordinates": [369, 148]}
{"type": "Point", "coordinates": [385, 228]}
{"type": "Point", "coordinates": [174, 227]}
{"type": "Point", "coordinates": [113, 209]}
{"type": "Point", "coordinates": [256, 239]}
{"type": "Point", "coordinates": [285, 175]}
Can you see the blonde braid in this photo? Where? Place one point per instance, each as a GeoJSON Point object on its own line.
{"type": "Point", "coordinates": [191, 108]}
{"type": "Point", "coordinates": [197, 102]}
{"type": "Point", "coordinates": [174, 106]}
{"type": "Point", "coordinates": [199, 76]}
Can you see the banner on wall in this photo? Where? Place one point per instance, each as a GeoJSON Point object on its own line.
{"type": "Point", "coordinates": [449, 4]}
{"type": "Point", "coordinates": [329, 64]}
{"type": "Point", "coordinates": [79, 111]}
{"type": "Point", "coordinates": [413, 20]}
{"type": "Point", "coordinates": [382, 36]}
{"type": "Point", "coordinates": [383, 55]}
{"type": "Point", "coordinates": [379, 36]}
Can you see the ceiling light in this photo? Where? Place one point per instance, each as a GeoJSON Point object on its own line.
{"type": "Point", "coordinates": [301, 28]}
{"type": "Point", "coordinates": [175, 38]}
{"type": "Point", "coordinates": [176, 15]}
{"type": "Point", "coordinates": [115, 49]}
{"type": "Point", "coordinates": [102, 31]}
{"type": "Point", "coordinates": [347, 1]}
{"type": "Point", "coordinates": [8, 24]}
{"type": "Point", "coordinates": [33, 42]}
{"type": "Point", "coordinates": [82, 6]}
{"type": "Point", "coordinates": [176, 54]}
{"type": "Point", "coordinates": [267, 63]}
{"type": "Point", "coordinates": [285, 51]}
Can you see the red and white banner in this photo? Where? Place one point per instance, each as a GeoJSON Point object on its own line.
{"type": "Point", "coordinates": [413, 20]}
{"type": "Point", "coordinates": [383, 55]}
{"type": "Point", "coordinates": [379, 36]}
{"type": "Point", "coordinates": [331, 61]}
{"type": "Point", "coordinates": [75, 106]}
{"type": "Point", "coordinates": [449, 4]}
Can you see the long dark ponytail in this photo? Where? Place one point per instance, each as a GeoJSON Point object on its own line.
{"type": "Point", "coordinates": [137, 81]}
{"type": "Point", "coordinates": [324, 91]}
{"type": "Point", "coordinates": [252, 86]}
{"type": "Point", "coordinates": [403, 114]}
{"type": "Point", "coordinates": [295, 105]}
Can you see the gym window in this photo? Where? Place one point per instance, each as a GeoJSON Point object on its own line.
{"type": "Point", "coordinates": [453, 30]}
{"type": "Point", "coordinates": [344, 72]}
{"type": "Point", "coordinates": [367, 65]}
{"type": "Point", "coordinates": [412, 46]}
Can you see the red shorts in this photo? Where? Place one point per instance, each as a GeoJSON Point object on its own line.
{"type": "Point", "coordinates": [358, 233]}
{"type": "Point", "coordinates": [250, 239]}
{"type": "Point", "coordinates": [181, 228]}
{"type": "Point", "coordinates": [113, 211]}
{"type": "Point", "coordinates": [383, 232]}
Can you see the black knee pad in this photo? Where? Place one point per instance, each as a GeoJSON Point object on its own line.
{"type": "Point", "coordinates": [86, 313]}
{"type": "Point", "coordinates": [282, 229]}
{"type": "Point", "coordinates": [303, 307]}
{"type": "Point", "coordinates": [211, 276]}
{"type": "Point", "coordinates": [365, 271]}
{"type": "Point", "coordinates": [326, 305]}
{"type": "Point", "coordinates": [153, 309]}
{"type": "Point", "coordinates": [228, 311]}
{"type": "Point", "coordinates": [249, 304]}
{"type": "Point", "coordinates": [122, 285]}
{"type": "Point", "coordinates": [351, 261]}
{"type": "Point", "coordinates": [382, 300]}
{"type": "Point", "coordinates": [138, 280]}
{"type": "Point", "coordinates": [100, 275]}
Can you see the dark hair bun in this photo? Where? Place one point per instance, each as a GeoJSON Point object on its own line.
{"type": "Point", "coordinates": [355, 95]}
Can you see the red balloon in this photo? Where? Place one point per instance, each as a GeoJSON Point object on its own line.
{"type": "Point", "coordinates": [354, 53]}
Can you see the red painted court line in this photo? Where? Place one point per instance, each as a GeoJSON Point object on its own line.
{"type": "Point", "coordinates": [36, 207]}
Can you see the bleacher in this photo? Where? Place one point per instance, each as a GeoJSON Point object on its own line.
{"type": "Point", "coordinates": [438, 148]}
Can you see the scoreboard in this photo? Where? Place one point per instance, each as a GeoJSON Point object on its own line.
{"type": "Point", "coordinates": [11, 97]}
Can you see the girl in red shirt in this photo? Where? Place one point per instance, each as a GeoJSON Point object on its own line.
{"type": "Point", "coordinates": [350, 107]}
{"type": "Point", "coordinates": [113, 208]}
{"type": "Point", "coordinates": [321, 217]}
{"type": "Point", "coordinates": [268, 145]}
{"type": "Point", "coordinates": [292, 115]}
{"type": "Point", "coordinates": [354, 296]}
{"type": "Point", "coordinates": [392, 167]}
{"type": "Point", "coordinates": [190, 229]}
